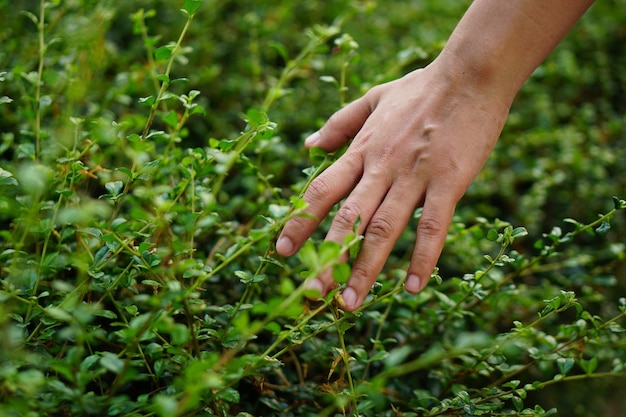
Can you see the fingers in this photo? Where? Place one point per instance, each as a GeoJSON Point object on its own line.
{"type": "Point", "coordinates": [432, 230]}
{"type": "Point", "coordinates": [334, 183]}
{"type": "Point", "coordinates": [381, 233]}
{"type": "Point", "coordinates": [324, 192]}
{"type": "Point", "coordinates": [342, 126]}
{"type": "Point", "coordinates": [360, 206]}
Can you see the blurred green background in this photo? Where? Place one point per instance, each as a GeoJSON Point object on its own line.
{"type": "Point", "coordinates": [561, 155]}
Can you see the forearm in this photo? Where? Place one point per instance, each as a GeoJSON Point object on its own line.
{"type": "Point", "coordinates": [498, 43]}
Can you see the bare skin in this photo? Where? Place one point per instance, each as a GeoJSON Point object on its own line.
{"type": "Point", "coordinates": [420, 141]}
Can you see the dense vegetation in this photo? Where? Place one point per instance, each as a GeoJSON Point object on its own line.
{"type": "Point", "coordinates": [150, 152]}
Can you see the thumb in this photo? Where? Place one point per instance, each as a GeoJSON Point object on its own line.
{"type": "Point", "coordinates": [342, 126]}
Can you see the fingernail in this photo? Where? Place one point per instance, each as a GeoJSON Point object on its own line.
{"type": "Point", "coordinates": [284, 246]}
{"type": "Point", "coordinates": [312, 140]}
{"type": "Point", "coordinates": [413, 283]}
{"type": "Point", "coordinates": [315, 286]}
{"type": "Point", "coordinates": [349, 298]}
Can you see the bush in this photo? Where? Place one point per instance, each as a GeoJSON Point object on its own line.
{"type": "Point", "coordinates": [149, 157]}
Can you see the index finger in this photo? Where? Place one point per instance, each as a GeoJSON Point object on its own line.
{"type": "Point", "coordinates": [325, 191]}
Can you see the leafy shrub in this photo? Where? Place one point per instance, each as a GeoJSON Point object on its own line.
{"type": "Point", "coordinates": [149, 162]}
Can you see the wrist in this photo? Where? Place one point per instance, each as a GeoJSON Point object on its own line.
{"type": "Point", "coordinates": [477, 73]}
{"type": "Point", "coordinates": [498, 44]}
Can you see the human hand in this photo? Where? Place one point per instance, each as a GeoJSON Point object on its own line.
{"type": "Point", "coordinates": [418, 141]}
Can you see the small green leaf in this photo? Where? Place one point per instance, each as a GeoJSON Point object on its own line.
{"type": "Point", "coordinates": [550, 412]}
{"type": "Point", "coordinates": [287, 286]}
{"type": "Point", "coordinates": [152, 164]}
{"type": "Point", "coordinates": [356, 247]}
{"type": "Point", "coordinates": [31, 16]}
{"type": "Point", "coordinates": [298, 203]}
{"type": "Point", "coordinates": [604, 228]}
{"type": "Point", "coordinates": [255, 117]}
{"type": "Point", "coordinates": [35, 178]}
{"type": "Point", "coordinates": [114, 188]}
{"type": "Point", "coordinates": [329, 251]}
{"type": "Point", "coordinates": [105, 313]}
{"type": "Point", "coordinates": [164, 53]}
{"type": "Point", "coordinates": [171, 119]}
{"type": "Point", "coordinates": [198, 110]}
{"type": "Point", "coordinates": [309, 171]}
{"type": "Point", "coordinates": [376, 287]}
{"type": "Point", "coordinates": [281, 49]}
{"type": "Point", "coordinates": [278, 211]}
{"type": "Point", "coordinates": [165, 405]}
{"type": "Point", "coordinates": [192, 6]}
{"type": "Point", "coordinates": [317, 155]}
{"type": "Point", "coordinates": [341, 272]}
{"type": "Point", "coordinates": [134, 138]}
{"type": "Point", "coordinates": [565, 365]}
{"type": "Point", "coordinates": [518, 403]}
{"type": "Point", "coordinates": [111, 362]}
{"type": "Point", "coordinates": [576, 223]}
{"type": "Point", "coordinates": [125, 171]}
{"type": "Point", "coordinates": [226, 144]}
{"type": "Point", "coordinates": [273, 327]}
{"type": "Point", "coordinates": [555, 233]}
{"type": "Point", "coordinates": [589, 366]}
{"type": "Point", "coordinates": [6, 178]}
{"type": "Point", "coordinates": [329, 79]}
{"type": "Point", "coordinates": [180, 334]}
{"type": "Point", "coordinates": [244, 276]}
{"type": "Point", "coordinates": [308, 255]}
{"type": "Point", "coordinates": [58, 314]}
{"type": "Point", "coordinates": [148, 101]}
{"type": "Point", "coordinates": [193, 94]}
{"type": "Point", "coordinates": [546, 310]}
{"type": "Point", "coordinates": [229, 395]}
{"type": "Point", "coordinates": [397, 356]}
{"type": "Point", "coordinates": [89, 362]}
{"type": "Point", "coordinates": [512, 384]}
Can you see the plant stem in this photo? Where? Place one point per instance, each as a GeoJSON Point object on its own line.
{"type": "Point", "coordinates": [291, 68]}
{"type": "Point", "coordinates": [346, 360]}
{"type": "Point", "coordinates": [42, 55]}
{"type": "Point", "coordinates": [153, 109]}
{"type": "Point", "coordinates": [165, 83]}
{"type": "Point", "coordinates": [379, 331]}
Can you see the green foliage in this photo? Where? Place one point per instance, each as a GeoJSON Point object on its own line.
{"type": "Point", "coordinates": [150, 153]}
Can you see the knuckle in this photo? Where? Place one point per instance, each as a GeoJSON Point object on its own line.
{"type": "Point", "coordinates": [375, 92]}
{"type": "Point", "coordinates": [318, 189]}
{"type": "Point", "coordinates": [346, 216]}
{"type": "Point", "coordinates": [296, 224]}
{"type": "Point", "coordinates": [431, 226]}
{"type": "Point", "coordinates": [381, 227]}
